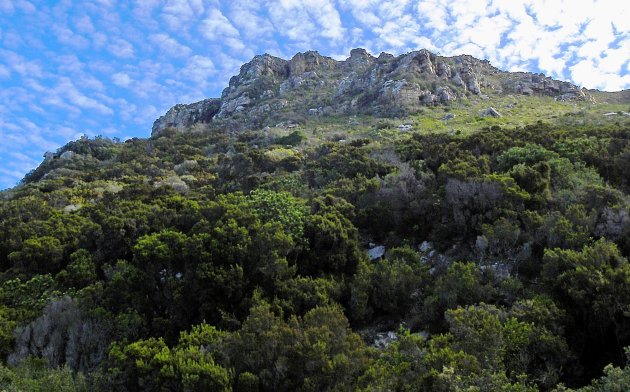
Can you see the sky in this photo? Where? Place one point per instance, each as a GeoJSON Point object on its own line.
{"type": "Point", "coordinates": [111, 67]}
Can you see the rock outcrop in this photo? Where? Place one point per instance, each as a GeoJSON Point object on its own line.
{"type": "Point", "coordinates": [269, 90]}
{"type": "Point", "coordinates": [181, 116]}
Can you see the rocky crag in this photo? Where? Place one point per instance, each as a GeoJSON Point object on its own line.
{"type": "Point", "coordinates": [269, 89]}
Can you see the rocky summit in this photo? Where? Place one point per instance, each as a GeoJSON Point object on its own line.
{"type": "Point", "coordinates": [269, 89]}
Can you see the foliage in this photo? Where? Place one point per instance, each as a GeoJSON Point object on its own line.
{"type": "Point", "coordinates": [223, 259]}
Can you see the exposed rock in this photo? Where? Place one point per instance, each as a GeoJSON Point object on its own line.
{"type": "Point", "coordinates": [443, 70]}
{"type": "Point", "coordinates": [472, 84]}
{"type": "Point", "coordinates": [182, 117]}
{"type": "Point", "coordinates": [376, 252]}
{"type": "Point", "coordinates": [490, 112]}
{"type": "Point", "coordinates": [416, 62]}
{"type": "Point", "coordinates": [425, 246]}
{"type": "Point", "coordinates": [308, 62]}
{"type": "Point", "coordinates": [384, 339]}
{"type": "Point", "coordinates": [405, 127]}
{"type": "Point", "coordinates": [499, 270]}
{"type": "Point", "coordinates": [360, 58]}
{"type": "Point", "coordinates": [448, 116]}
{"type": "Point", "coordinates": [538, 84]}
{"type": "Point", "coordinates": [272, 89]}
{"type": "Point", "coordinates": [428, 98]}
{"type": "Point", "coordinates": [444, 94]}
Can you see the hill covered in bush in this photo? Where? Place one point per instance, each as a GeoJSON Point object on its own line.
{"type": "Point", "coordinates": [330, 252]}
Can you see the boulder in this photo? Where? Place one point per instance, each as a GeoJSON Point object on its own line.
{"type": "Point", "coordinates": [443, 70]}
{"type": "Point", "coordinates": [384, 339]}
{"type": "Point", "coordinates": [425, 246]}
{"type": "Point", "coordinates": [376, 252]}
{"type": "Point", "coordinates": [491, 112]}
{"type": "Point", "coordinates": [416, 62]}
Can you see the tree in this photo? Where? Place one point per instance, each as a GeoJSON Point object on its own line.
{"type": "Point", "coordinates": [38, 254]}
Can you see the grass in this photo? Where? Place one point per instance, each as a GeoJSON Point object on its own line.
{"type": "Point", "coordinates": [516, 111]}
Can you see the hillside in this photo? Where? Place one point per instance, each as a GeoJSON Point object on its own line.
{"type": "Point", "coordinates": [383, 223]}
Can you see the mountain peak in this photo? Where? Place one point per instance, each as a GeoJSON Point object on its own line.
{"type": "Point", "coordinates": [269, 89]}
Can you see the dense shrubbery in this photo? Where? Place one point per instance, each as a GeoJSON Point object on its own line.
{"type": "Point", "coordinates": [202, 262]}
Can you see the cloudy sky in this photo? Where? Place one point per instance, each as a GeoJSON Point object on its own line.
{"type": "Point", "coordinates": [110, 67]}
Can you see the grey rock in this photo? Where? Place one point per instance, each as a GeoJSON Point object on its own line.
{"type": "Point", "coordinates": [428, 98]}
{"type": "Point", "coordinates": [448, 116]}
{"type": "Point", "coordinates": [491, 112]}
{"type": "Point", "coordinates": [499, 270]}
{"type": "Point", "coordinates": [457, 80]}
{"type": "Point", "coordinates": [443, 70]}
{"type": "Point", "coordinates": [445, 94]}
{"type": "Point", "coordinates": [182, 117]}
{"type": "Point", "coordinates": [384, 339]}
{"type": "Point", "coordinates": [359, 57]}
{"type": "Point", "coordinates": [425, 246]}
{"type": "Point", "coordinates": [472, 84]}
{"type": "Point", "coordinates": [416, 62]}
{"type": "Point", "coordinates": [376, 252]}
{"type": "Point", "coordinates": [308, 62]}
{"type": "Point", "coordinates": [272, 89]}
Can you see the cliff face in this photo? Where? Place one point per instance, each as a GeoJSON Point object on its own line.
{"type": "Point", "coordinates": [271, 89]}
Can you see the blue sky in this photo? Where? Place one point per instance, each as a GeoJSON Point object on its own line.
{"type": "Point", "coordinates": [107, 67]}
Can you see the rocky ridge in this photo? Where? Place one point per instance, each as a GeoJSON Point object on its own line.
{"type": "Point", "coordinates": [269, 89]}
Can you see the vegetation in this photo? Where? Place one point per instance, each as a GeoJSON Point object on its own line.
{"type": "Point", "coordinates": [223, 261]}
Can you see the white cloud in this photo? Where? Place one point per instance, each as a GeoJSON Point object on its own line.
{"type": "Point", "coordinates": [121, 48]}
{"type": "Point", "coordinates": [199, 68]}
{"type": "Point", "coordinates": [84, 24]}
{"type": "Point", "coordinates": [305, 20]}
{"type": "Point", "coordinates": [179, 14]}
{"type": "Point", "coordinates": [67, 89]}
{"type": "Point", "coordinates": [121, 79]}
{"type": "Point", "coordinates": [5, 72]}
{"type": "Point", "coordinates": [68, 37]}
{"type": "Point", "coordinates": [21, 65]}
{"type": "Point", "coordinates": [216, 26]}
{"type": "Point", "coordinates": [248, 17]}
{"type": "Point", "coordinates": [7, 7]}
{"type": "Point", "coordinates": [586, 73]}
{"type": "Point", "coordinates": [169, 45]}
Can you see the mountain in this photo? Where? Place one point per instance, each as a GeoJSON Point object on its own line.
{"type": "Point", "coordinates": [384, 223]}
{"type": "Point", "coordinates": [267, 88]}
